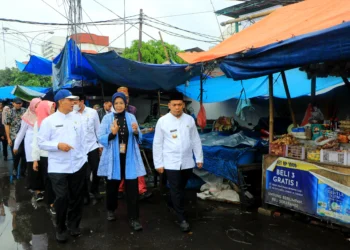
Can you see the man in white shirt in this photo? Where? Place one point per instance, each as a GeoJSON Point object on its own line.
{"type": "Point", "coordinates": [175, 142]}
{"type": "Point", "coordinates": [62, 135]}
{"type": "Point", "coordinates": [91, 124]}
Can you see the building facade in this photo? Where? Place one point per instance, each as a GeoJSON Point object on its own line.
{"type": "Point", "coordinates": [89, 43]}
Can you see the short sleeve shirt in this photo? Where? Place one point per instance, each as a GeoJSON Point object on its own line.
{"type": "Point", "coordinates": [13, 118]}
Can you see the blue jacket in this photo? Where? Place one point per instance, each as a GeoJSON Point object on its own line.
{"type": "Point", "coordinates": [110, 161]}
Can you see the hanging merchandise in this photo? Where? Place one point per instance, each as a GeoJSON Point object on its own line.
{"type": "Point", "coordinates": [243, 104]}
{"type": "Point", "coordinates": [307, 115]}
{"type": "Point", "coordinates": [202, 117]}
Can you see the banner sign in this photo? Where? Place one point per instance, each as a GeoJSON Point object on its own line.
{"type": "Point", "coordinates": [308, 188]}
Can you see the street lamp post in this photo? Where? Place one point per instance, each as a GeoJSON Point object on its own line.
{"type": "Point", "coordinates": [5, 29]}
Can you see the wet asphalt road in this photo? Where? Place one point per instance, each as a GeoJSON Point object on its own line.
{"type": "Point", "coordinates": [29, 225]}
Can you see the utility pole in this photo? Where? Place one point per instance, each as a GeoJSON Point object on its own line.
{"type": "Point", "coordinates": [140, 35]}
{"type": "Point", "coordinates": [124, 28]}
{"type": "Point", "coordinates": [165, 50]}
{"type": "Point", "coordinates": [3, 39]}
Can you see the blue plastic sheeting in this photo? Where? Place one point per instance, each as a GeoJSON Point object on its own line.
{"type": "Point", "coordinates": [326, 45]}
{"type": "Point", "coordinates": [219, 160]}
{"type": "Point", "coordinates": [114, 69]}
{"type": "Point", "coordinates": [20, 65]}
{"type": "Point", "coordinates": [5, 92]}
{"type": "Point", "coordinates": [223, 161]}
{"type": "Point", "coordinates": [36, 65]}
{"type": "Point", "coordinates": [71, 65]}
{"type": "Point", "coordinates": [222, 88]}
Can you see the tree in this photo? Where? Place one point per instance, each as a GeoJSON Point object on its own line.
{"type": "Point", "coordinates": [12, 76]}
{"type": "Point", "coordinates": [152, 52]}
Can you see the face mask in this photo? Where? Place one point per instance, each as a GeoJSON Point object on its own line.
{"type": "Point", "coordinates": [76, 107]}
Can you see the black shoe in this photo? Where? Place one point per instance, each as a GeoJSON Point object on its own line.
{"type": "Point", "coordinates": [39, 197]}
{"type": "Point", "coordinates": [120, 195]}
{"type": "Point", "coordinates": [135, 225]}
{"type": "Point", "coordinates": [75, 232]}
{"type": "Point", "coordinates": [62, 237]}
{"type": "Point", "coordinates": [184, 226]}
{"type": "Point", "coordinates": [5, 158]}
{"type": "Point", "coordinates": [145, 195]}
{"type": "Point", "coordinates": [111, 216]}
{"type": "Point", "coordinates": [52, 210]}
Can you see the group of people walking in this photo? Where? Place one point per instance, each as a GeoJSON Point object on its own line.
{"type": "Point", "coordinates": [68, 152]}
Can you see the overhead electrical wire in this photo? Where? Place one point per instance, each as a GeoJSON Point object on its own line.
{"type": "Point", "coordinates": [124, 19]}
{"type": "Point", "coordinates": [92, 21]}
{"type": "Point", "coordinates": [102, 22]}
{"type": "Point", "coordinates": [186, 14]}
{"type": "Point", "coordinates": [116, 38]}
{"type": "Point", "coordinates": [178, 35]}
{"type": "Point", "coordinates": [19, 47]}
{"type": "Point", "coordinates": [151, 19]}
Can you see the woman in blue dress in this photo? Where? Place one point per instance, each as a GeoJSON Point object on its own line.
{"type": "Point", "coordinates": [121, 159]}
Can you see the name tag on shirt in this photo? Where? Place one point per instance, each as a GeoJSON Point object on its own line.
{"type": "Point", "coordinates": [172, 131]}
{"type": "Point", "coordinates": [59, 126]}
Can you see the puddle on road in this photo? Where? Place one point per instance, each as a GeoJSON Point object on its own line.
{"type": "Point", "coordinates": [21, 226]}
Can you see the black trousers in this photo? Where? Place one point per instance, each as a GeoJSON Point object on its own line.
{"type": "Point", "coordinates": [4, 147]}
{"type": "Point", "coordinates": [19, 157]}
{"type": "Point", "coordinates": [177, 182]}
{"type": "Point", "coordinates": [69, 201]}
{"type": "Point", "coordinates": [131, 192]}
{"type": "Point", "coordinates": [93, 161]}
{"type": "Point", "coordinates": [34, 180]}
{"type": "Point", "coordinates": [49, 193]}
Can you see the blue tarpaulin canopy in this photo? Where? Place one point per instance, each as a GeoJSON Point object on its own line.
{"type": "Point", "coordinates": [36, 65]}
{"type": "Point", "coordinates": [222, 88]}
{"type": "Point", "coordinates": [115, 69]}
{"type": "Point", "coordinates": [330, 44]}
{"type": "Point", "coordinates": [70, 65]}
{"type": "Point", "coordinates": [6, 92]}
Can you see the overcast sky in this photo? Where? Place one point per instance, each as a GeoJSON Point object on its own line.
{"type": "Point", "coordinates": [37, 10]}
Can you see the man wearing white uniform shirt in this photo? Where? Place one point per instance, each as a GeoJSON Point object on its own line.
{"type": "Point", "coordinates": [62, 135]}
{"type": "Point", "coordinates": [176, 140]}
{"type": "Point", "coordinates": [91, 124]}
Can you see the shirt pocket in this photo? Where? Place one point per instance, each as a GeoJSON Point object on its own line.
{"type": "Point", "coordinates": [90, 124]}
{"type": "Point", "coordinates": [58, 131]}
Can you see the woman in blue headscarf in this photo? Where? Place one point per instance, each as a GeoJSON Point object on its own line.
{"type": "Point", "coordinates": [121, 158]}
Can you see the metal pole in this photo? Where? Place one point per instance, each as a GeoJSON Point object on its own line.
{"type": "Point", "coordinates": [30, 44]}
{"type": "Point", "coordinates": [124, 28]}
{"type": "Point", "coordinates": [140, 35]}
{"type": "Point", "coordinates": [271, 108]}
{"type": "Point", "coordinates": [3, 39]}
{"type": "Point", "coordinates": [236, 20]}
{"type": "Point", "coordinates": [313, 89]}
{"type": "Point", "coordinates": [159, 103]}
{"type": "Point", "coordinates": [286, 88]}
{"type": "Point", "coordinates": [346, 82]}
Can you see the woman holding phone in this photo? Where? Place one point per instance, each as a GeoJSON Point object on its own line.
{"type": "Point", "coordinates": [121, 159]}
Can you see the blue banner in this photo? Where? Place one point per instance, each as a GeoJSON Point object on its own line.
{"type": "Point", "coordinates": [308, 188]}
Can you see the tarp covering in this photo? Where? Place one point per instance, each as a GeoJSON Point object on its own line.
{"type": "Point", "coordinates": [327, 45]}
{"type": "Point", "coordinates": [6, 92]}
{"type": "Point", "coordinates": [36, 65]}
{"type": "Point", "coordinates": [70, 66]}
{"type": "Point", "coordinates": [27, 94]}
{"type": "Point", "coordinates": [219, 160]}
{"type": "Point", "coordinates": [221, 88]}
{"type": "Point", "coordinates": [282, 24]}
{"type": "Point", "coordinates": [114, 69]}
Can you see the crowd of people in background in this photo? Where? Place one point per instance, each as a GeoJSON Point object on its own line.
{"type": "Point", "coordinates": [67, 150]}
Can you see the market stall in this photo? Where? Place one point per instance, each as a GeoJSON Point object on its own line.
{"type": "Point", "coordinates": [308, 169]}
